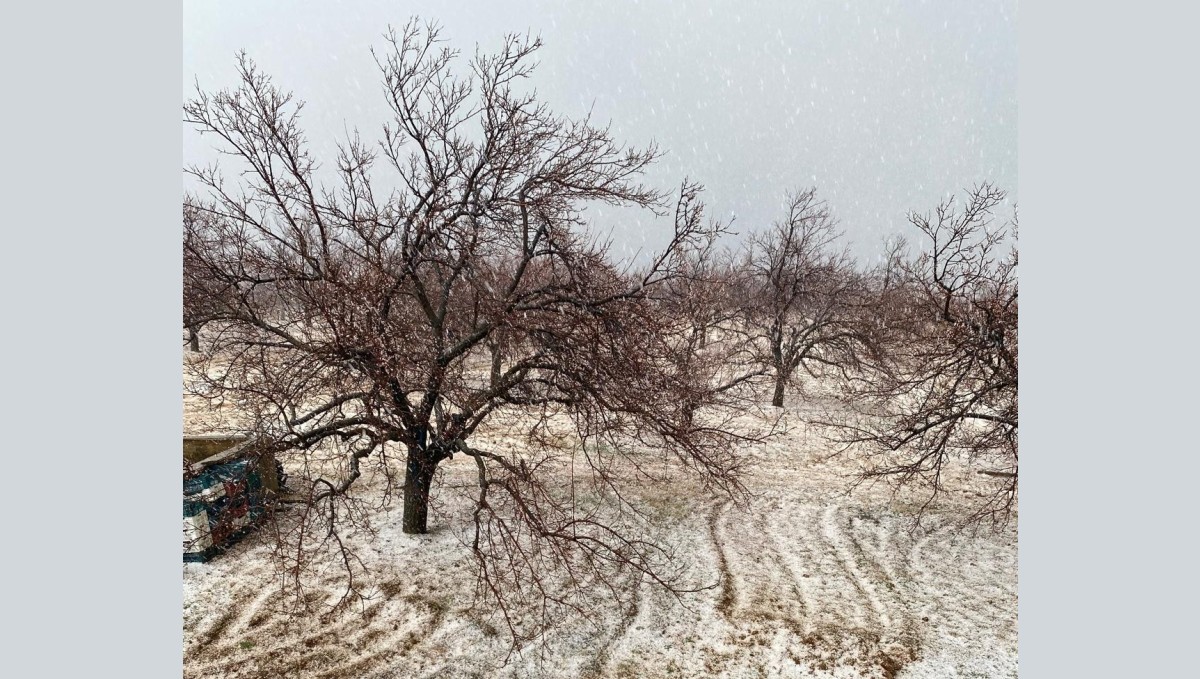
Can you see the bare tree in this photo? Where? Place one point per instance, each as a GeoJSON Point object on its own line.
{"type": "Point", "coordinates": [411, 310]}
{"type": "Point", "coordinates": [946, 388]}
{"type": "Point", "coordinates": [805, 303]}
{"type": "Point", "coordinates": [702, 303]}
{"type": "Point", "coordinates": [700, 299]}
{"type": "Point", "coordinates": [199, 286]}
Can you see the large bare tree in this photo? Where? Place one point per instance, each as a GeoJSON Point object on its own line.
{"type": "Point", "coordinates": [805, 303]}
{"type": "Point", "coordinates": [946, 388]}
{"type": "Point", "coordinates": [427, 288]}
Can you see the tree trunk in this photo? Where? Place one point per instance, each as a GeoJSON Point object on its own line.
{"type": "Point", "coordinates": [778, 363]}
{"type": "Point", "coordinates": [193, 339]}
{"type": "Point", "coordinates": [418, 478]}
{"type": "Point", "coordinates": [496, 365]}
{"type": "Point", "coordinates": [780, 383]}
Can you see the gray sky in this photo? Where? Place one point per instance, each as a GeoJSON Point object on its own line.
{"type": "Point", "coordinates": [884, 106]}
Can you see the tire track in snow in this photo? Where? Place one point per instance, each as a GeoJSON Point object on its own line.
{"type": "Point", "coordinates": [725, 601]}
{"type": "Point", "coordinates": [858, 618]}
{"type": "Point", "coordinates": [764, 589]}
{"type": "Point", "coordinates": [354, 643]}
{"type": "Point", "coordinates": [831, 528]}
{"type": "Point", "coordinates": [812, 555]}
{"type": "Point", "coordinates": [392, 647]}
{"type": "Point", "coordinates": [598, 667]}
{"type": "Point", "coordinates": [884, 567]}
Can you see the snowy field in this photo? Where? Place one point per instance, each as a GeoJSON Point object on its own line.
{"type": "Point", "coordinates": [808, 581]}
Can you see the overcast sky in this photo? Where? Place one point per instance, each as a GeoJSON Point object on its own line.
{"type": "Point", "coordinates": [883, 106]}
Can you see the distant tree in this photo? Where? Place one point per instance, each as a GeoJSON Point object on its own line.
{"type": "Point", "coordinates": [700, 298]}
{"type": "Point", "coordinates": [411, 311]}
{"type": "Point", "coordinates": [946, 388]}
{"type": "Point", "coordinates": [200, 284]}
{"type": "Point", "coordinates": [706, 301]}
{"type": "Point", "coordinates": [805, 305]}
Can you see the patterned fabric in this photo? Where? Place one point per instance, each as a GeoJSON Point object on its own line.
{"type": "Point", "coordinates": [220, 505]}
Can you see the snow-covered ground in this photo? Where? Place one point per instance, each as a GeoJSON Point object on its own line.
{"type": "Point", "coordinates": [810, 581]}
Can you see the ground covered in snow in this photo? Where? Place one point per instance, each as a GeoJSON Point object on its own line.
{"type": "Point", "coordinates": [808, 580]}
